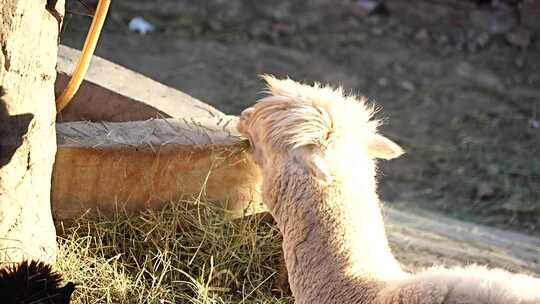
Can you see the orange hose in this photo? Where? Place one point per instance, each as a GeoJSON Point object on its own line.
{"type": "Point", "coordinates": [86, 56]}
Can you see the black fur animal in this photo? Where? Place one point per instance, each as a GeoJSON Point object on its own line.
{"type": "Point", "coordinates": [33, 282]}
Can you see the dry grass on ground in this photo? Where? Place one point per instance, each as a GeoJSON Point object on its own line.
{"type": "Point", "coordinates": [187, 253]}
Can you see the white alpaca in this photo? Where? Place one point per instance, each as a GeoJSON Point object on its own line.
{"type": "Point", "coordinates": [316, 148]}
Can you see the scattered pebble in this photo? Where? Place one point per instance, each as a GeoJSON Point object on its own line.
{"type": "Point", "coordinates": [485, 191]}
{"type": "Point", "coordinates": [535, 124]}
{"type": "Point", "coordinates": [383, 82]}
{"type": "Point", "coordinates": [407, 85]}
{"type": "Point", "coordinates": [520, 38]}
{"type": "Point", "coordinates": [362, 8]}
{"type": "Point", "coordinates": [141, 26]}
{"type": "Point", "coordinates": [482, 78]}
{"type": "Point", "coordinates": [464, 69]}
{"type": "Point", "coordinates": [443, 39]}
{"type": "Point", "coordinates": [483, 39]}
{"type": "Point", "coordinates": [422, 35]}
{"type": "Point", "coordinates": [493, 170]}
{"type": "Point", "coordinates": [377, 31]}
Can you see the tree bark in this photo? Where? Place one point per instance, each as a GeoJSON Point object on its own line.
{"type": "Point", "coordinates": [28, 54]}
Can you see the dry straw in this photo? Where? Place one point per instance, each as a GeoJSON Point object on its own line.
{"type": "Point", "coordinates": [189, 252]}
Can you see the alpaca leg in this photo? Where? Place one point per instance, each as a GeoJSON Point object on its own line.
{"type": "Point", "coordinates": [281, 284]}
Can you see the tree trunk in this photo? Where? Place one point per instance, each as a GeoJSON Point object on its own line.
{"type": "Point", "coordinates": [28, 53]}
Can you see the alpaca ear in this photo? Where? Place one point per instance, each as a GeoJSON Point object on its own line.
{"type": "Point", "coordinates": [382, 147]}
{"type": "Point", "coordinates": [313, 162]}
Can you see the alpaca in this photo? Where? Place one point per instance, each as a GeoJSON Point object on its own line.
{"type": "Point", "coordinates": [33, 282]}
{"type": "Point", "coordinates": [317, 148]}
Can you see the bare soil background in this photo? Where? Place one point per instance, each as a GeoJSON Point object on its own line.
{"type": "Point", "coordinates": [458, 82]}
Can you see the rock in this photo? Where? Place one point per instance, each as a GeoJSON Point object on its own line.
{"type": "Point", "coordinates": [482, 39]}
{"type": "Point", "coordinates": [377, 31]}
{"type": "Point", "coordinates": [482, 78]}
{"type": "Point", "coordinates": [465, 69]}
{"type": "Point", "coordinates": [485, 191]}
{"type": "Point", "coordinates": [520, 38]}
{"type": "Point", "coordinates": [422, 35]}
{"type": "Point", "coordinates": [383, 82]}
{"type": "Point", "coordinates": [141, 26]}
{"type": "Point", "coordinates": [363, 8]}
{"type": "Point", "coordinates": [442, 39]}
{"type": "Point", "coordinates": [407, 85]}
{"type": "Point", "coordinates": [493, 170]}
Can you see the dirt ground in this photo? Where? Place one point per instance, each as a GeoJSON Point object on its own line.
{"type": "Point", "coordinates": [458, 83]}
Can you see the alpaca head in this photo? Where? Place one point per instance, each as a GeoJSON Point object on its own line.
{"type": "Point", "coordinates": [311, 126]}
{"type": "Point", "coordinates": [33, 282]}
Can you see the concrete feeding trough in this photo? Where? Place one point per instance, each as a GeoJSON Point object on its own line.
{"type": "Point", "coordinates": [127, 143]}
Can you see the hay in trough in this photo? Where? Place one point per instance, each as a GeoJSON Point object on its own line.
{"type": "Point", "coordinates": [189, 252]}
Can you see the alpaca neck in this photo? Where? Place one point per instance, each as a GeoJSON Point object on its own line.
{"type": "Point", "coordinates": [332, 233]}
